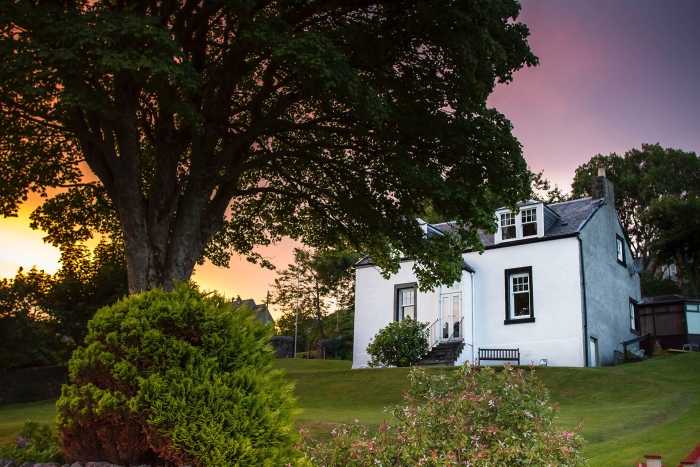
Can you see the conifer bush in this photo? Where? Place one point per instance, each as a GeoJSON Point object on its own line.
{"type": "Point", "coordinates": [176, 377]}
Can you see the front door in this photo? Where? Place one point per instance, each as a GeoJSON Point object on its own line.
{"type": "Point", "coordinates": [451, 315]}
{"type": "Point", "coordinates": [593, 352]}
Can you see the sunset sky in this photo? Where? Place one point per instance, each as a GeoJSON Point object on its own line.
{"type": "Point", "coordinates": [613, 75]}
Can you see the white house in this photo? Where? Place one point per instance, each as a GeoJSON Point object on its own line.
{"type": "Point", "coordinates": [556, 281]}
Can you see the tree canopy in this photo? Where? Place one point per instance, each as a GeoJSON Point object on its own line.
{"type": "Point", "coordinates": [197, 130]}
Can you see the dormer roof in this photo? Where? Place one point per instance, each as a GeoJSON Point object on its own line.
{"type": "Point", "coordinates": [571, 216]}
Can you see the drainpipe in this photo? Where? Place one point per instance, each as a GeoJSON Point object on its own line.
{"type": "Point", "coordinates": [471, 280]}
{"type": "Point", "coordinates": [583, 296]}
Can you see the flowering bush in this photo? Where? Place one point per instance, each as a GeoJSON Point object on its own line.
{"type": "Point", "coordinates": [471, 416]}
{"type": "Point", "coordinates": [35, 443]}
{"type": "Point", "coordinates": [176, 378]}
{"type": "Point", "coordinates": [401, 343]}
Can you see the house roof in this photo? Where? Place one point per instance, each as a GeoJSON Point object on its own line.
{"type": "Point", "coordinates": [261, 311]}
{"type": "Point", "coordinates": [569, 219]}
{"type": "Point", "coordinates": [659, 299]}
{"type": "Point", "coordinates": [367, 261]}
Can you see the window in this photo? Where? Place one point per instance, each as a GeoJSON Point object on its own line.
{"type": "Point", "coordinates": [692, 318]}
{"type": "Point", "coordinates": [528, 217]}
{"type": "Point", "coordinates": [405, 301]}
{"type": "Point", "coordinates": [519, 307]}
{"type": "Point", "coordinates": [633, 316]}
{"type": "Point", "coordinates": [620, 244]}
{"type": "Point", "coordinates": [507, 226]}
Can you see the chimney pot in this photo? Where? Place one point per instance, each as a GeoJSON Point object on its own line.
{"type": "Point", "coordinates": [601, 171]}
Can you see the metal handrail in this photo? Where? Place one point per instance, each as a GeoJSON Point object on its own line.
{"type": "Point", "coordinates": [433, 333]}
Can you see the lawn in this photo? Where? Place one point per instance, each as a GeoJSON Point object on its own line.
{"type": "Point", "coordinates": [624, 411]}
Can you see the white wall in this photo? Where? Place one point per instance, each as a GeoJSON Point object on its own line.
{"type": "Point", "coordinates": [557, 333]}
{"type": "Point", "coordinates": [374, 306]}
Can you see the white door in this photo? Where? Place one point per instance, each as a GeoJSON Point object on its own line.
{"type": "Point", "coordinates": [593, 351]}
{"type": "Point", "coordinates": [451, 316]}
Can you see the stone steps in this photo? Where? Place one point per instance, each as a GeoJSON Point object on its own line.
{"type": "Point", "coordinates": [445, 353]}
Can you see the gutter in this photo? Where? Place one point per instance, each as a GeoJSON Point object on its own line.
{"type": "Point", "coordinates": [583, 299]}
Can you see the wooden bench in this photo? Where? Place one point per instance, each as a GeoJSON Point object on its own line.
{"type": "Point", "coordinates": [510, 355]}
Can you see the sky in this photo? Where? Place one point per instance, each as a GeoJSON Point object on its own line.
{"type": "Point", "coordinates": [612, 75]}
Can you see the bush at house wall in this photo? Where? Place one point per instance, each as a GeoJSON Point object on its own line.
{"type": "Point", "coordinates": [401, 343]}
{"type": "Point", "coordinates": [180, 378]}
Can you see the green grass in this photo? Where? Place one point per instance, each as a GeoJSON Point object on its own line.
{"type": "Point", "coordinates": [624, 412]}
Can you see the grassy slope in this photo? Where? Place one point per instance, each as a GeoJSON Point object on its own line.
{"type": "Point", "coordinates": [624, 411]}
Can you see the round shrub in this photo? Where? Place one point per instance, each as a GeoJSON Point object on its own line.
{"type": "Point", "coordinates": [401, 343]}
{"type": "Point", "coordinates": [177, 378]}
{"type": "Point", "coordinates": [471, 416]}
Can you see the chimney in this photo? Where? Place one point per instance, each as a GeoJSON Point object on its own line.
{"type": "Point", "coordinates": [603, 188]}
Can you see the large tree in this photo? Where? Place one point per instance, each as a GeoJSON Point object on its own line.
{"type": "Point", "coordinates": [641, 178]}
{"type": "Point", "coordinates": [211, 127]}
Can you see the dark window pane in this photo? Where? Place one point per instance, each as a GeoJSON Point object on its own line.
{"type": "Point", "coordinates": [529, 229]}
{"type": "Point", "coordinates": [521, 304]}
{"type": "Point", "coordinates": [508, 232]}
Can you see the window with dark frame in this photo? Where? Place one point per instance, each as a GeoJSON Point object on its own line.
{"type": "Point", "coordinates": [528, 218]}
{"type": "Point", "coordinates": [519, 303]}
{"type": "Point", "coordinates": [633, 316]}
{"type": "Point", "coordinates": [507, 226]}
{"type": "Point", "coordinates": [620, 246]}
{"type": "Point", "coordinates": [405, 302]}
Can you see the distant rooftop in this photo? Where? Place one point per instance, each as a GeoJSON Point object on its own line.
{"type": "Point", "coordinates": [261, 311]}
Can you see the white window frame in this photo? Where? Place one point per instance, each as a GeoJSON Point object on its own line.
{"type": "Point", "coordinates": [620, 253]}
{"type": "Point", "coordinates": [510, 216]}
{"type": "Point", "coordinates": [528, 216]}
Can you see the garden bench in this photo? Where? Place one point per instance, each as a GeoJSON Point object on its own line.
{"type": "Point", "coordinates": [510, 355]}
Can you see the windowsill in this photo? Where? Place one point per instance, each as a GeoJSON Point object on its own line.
{"type": "Point", "coordinates": [519, 320]}
{"type": "Point", "coordinates": [621, 263]}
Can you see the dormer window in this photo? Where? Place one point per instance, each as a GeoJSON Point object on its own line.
{"type": "Point", "coordinates": [528, 218]}
{"type": "Point", "coordinates": [507, 226]}
{"type": "Point", "coordinates": [528, 222]}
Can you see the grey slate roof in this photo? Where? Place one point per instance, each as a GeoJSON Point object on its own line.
{"type": "Point", "coordinates": [571, 217]}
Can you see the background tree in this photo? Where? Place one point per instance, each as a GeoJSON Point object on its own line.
{"type": "Point", "coordinates": [677, 222]}
{"type": "Point", "coordinates": [27, 334]}
{"type": "Point", "coordinates": [317, 284]}
{"type": "Point", "coordinates": [44, 316]}
{"type": "Point", "coordinates": [212, 127]}
{"type": "Point", "coordinates": [542, 189]}
{"type": "Point", "coordinates": [86, 282]}
{"type": "Point", "coordinates": [641, 178]}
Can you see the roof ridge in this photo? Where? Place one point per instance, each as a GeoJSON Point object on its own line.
{"type": "Point", "coordinates": [570, 201]}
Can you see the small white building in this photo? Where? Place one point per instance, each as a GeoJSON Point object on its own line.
{"type": "Point", "coordinates": [556, 281]}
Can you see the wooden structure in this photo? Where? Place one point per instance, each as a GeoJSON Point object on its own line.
{"type": "Point", "coordinates": [673, 321]}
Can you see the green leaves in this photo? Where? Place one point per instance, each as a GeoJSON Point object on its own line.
{"type": "Point", "coordinates": [176, 377]}
{"type": "Point", "coordinates": [401, 343]}
{"type": "Point", "coordinates": [217, 127]}
{"type": "Point", "coordinates": [466, 416]}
